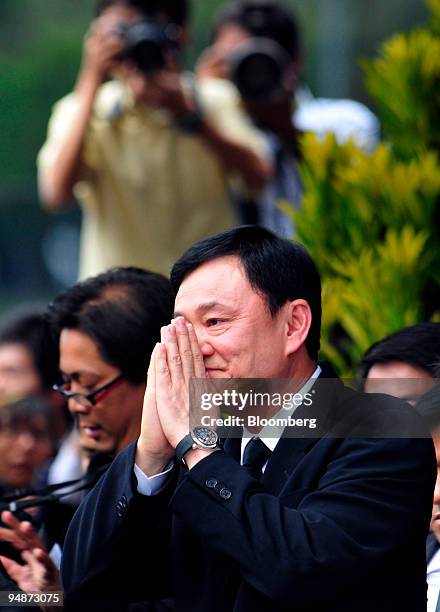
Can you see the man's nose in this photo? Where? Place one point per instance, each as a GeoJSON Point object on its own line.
{"type": "Point", "coordinates": [75, 407]}
{"type": "Point", "coordinates": [26, 440]}
{"type": "Point", "coordinates": [206, 347]}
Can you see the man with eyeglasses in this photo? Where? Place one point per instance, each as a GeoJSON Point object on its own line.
{"type": "Point", "coordinates": [106, 327]}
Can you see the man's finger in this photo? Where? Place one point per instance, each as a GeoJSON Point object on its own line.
{"type": "Point", "coordinates": [162, 372]}
{"type": "Point", "coordinates": [10, 520]}
{"type": "Point", "coordinates": [14, 569]}
{"type": "Point", "coordinates": [184, 345]}
{"type": "Point", "coordinates": [173, 354]}
{"type": "Point", "coordinates": [7, 535]}
{"type": "Point", "coordinates": [199, 365]}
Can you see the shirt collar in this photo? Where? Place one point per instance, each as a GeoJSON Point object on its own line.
{"type": "Point", "coordinates": [270, 434]}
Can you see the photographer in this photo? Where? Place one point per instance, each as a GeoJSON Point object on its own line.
{"type": "Point", "coordinates": [141, 152]}
{"type": "Point", "coordinates": [257, 45]}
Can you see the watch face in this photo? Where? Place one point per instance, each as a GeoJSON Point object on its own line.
{"type": "Point", "coordinates": [205, 436]}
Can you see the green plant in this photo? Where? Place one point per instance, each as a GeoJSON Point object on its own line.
{"type": "Point", "coordinates": [404, 81]}
{"type": "Point", "coordinates": [366, 219]}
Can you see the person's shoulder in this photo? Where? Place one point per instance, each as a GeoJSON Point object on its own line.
{"type": "Point", "coordinates": [381, 416]}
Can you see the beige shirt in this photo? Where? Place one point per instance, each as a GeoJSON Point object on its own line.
{"type": "Point", "coordinates": [148, 191]}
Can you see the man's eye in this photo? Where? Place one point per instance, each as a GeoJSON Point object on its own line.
{"type": "Point", "coordinates": [213, 321]}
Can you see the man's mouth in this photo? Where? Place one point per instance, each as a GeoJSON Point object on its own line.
{"type": "Point", "coordinates": [91, 431]}
{"type": "Point", "coordinates": [435, 516]}
{"type": "Point", "coordinates": [214, 373]}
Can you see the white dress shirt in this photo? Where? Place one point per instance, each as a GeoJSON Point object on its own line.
{"type": "Point", "coordinates": [433, 580]}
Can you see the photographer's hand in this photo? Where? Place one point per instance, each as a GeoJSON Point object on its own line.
{"type": "Point", "coordinates": [162, 89]}
{"type": "Point", "coordinates": [101, 47]}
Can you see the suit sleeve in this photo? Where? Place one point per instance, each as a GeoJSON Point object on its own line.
{"type": "Point", "coordinates": [111, 536]}
{"type": "Point", "coordinates": [373, 497]}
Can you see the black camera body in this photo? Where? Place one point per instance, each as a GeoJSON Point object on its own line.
{"type": "Point", "coordinates": [258, 69]}
{"type": "Point", "coordinates": [146, 43]}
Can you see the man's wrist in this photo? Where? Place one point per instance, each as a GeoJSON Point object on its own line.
{"type": "Point", "coordinates": [195, 455]}
{"type": "Point", "coordinates": [151, 463]}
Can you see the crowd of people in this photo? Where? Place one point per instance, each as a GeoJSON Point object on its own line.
{"type": "Point", "coordinates": [114, 488]}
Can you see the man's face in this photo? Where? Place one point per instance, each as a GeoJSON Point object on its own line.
{"type": "Point", "coordinates": [115, 419]}
{"type": "Point", "coordinates": [18, 375]}
{"type": "Point", "coordinates": [23, 448]}
{"type": "Point", "coordinates": [399, 379]}
{"type": "Point", "coordinates": [238, 336]}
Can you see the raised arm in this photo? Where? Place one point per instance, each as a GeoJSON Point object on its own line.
{"type": "Point", "coordinates": [60, 160]}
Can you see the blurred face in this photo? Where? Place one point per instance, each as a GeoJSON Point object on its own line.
{"type": "Point", "coordinates": [238, 336]}
{"type": "Point", "coordinates": [114, 421]}
{"type": "Point", "coordinates": [399, 379]}
{"type": "Point", "coordinates": [18, 375]}
{"type": "Point", "coordinates": [435, 521]}
{"type": "Point", "coordinates": [23, 448]}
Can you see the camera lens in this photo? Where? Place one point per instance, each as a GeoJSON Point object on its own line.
{"type": "Point", "coordinates": [144, 44]}
{"type": "Point", "coordinates": [258, 69]}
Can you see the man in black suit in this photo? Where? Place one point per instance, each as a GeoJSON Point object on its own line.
{"type": "Point", "coordinates": [333, 523]}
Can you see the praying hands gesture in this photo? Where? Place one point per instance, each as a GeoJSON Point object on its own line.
{"type": "Point", "coordinates": [166, 414]}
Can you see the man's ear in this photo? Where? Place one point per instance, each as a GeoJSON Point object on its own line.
{"type": "Point", "coordinates": [299, 320]}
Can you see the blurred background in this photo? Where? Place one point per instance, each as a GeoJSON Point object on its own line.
{"type": "Point", "coordinates": [40, 52]}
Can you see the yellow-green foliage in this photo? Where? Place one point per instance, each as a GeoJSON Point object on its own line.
{"type": "Point", "coordinates": [434, 5]}
{"type": "Point", "coordinates": [366, 219]}
{"type": "Point", "coordinates": [404, 81]}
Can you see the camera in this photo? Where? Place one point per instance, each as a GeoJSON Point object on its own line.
{"type": "Point", "coordinates": [146, 43]}
{"type": "Point", "coordinates": [258, 69]}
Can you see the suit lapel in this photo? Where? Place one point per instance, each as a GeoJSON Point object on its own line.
{"type": "Point", "coordinates": [286, 456]}
{"type": "Point", "coordinates": [291, 448]}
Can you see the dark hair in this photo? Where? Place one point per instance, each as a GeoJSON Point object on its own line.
{"type": "Point", "coordinates": [277, 269]}
{"type": "Point", "coordinates": [122, 310]}
{"type": "Point", "coordinates": [174, 11]}
{"type": "Point", "coordinates": [418, 345]}
{"type": "Point", "coordinates": [22, 411]}
{"type": "Point", "coordinates": [428, 407]}
{"type": "Point", "coordinates": [31, 330]}
{"type": "Point", "coordinates": [263, 18]}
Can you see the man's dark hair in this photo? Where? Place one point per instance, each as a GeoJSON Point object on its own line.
{"type": "Point", "coordinates": [22, 412]}
{"type": "Point", "coordinates": [428, 406]}
{"type": "Point", "coordinates": [263, 18]}
{"type": "Point", "coordinates": [31, 330]}
{"type": "Point", "coordinates": [417, 345]}
{"type": "Point", "coordinates": [174, 11]}
{"type": "Point", "coordinates": [122, 310]}
{"type": "Point", "coordinates": [279, 270]}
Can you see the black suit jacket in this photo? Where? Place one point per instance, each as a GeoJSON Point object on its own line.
{"type": "Point", "coordinates": [337, 524]}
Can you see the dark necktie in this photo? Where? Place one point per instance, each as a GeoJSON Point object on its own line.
{"type": "Point", "coordinates": [255, 456]}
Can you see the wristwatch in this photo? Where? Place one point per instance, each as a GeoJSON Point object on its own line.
{"type": "Point", "coordinates": [199, 437]}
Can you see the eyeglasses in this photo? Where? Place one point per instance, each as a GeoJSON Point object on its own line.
{"type": "Point", "coordinates": [92, 398]}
